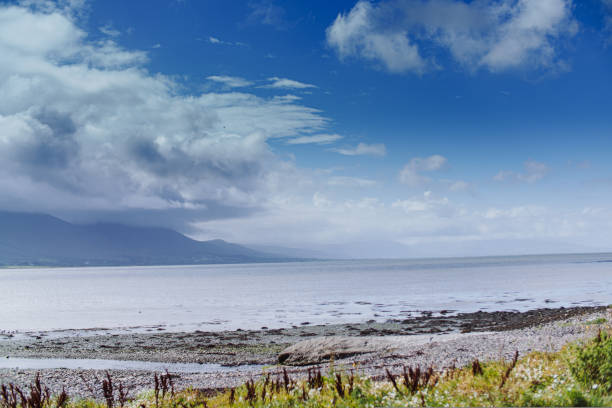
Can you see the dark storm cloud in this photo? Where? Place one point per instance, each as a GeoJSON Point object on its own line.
{"type": "Point", "coordinates": [54, 145]}
{"type": "Point", "coordinates": [237, 171]}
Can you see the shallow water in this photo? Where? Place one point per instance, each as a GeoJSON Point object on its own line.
{"type": "Point", "coordinates": [98, 364]}
{"type": "Point", "coordinates": [218, 297]}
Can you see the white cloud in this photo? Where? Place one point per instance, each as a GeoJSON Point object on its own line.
{"type": "Point", "coordinates": [607, 5]}
{"type": "Point", "coordinates": [534, 171]}
{"type": "Point", "coordinates": [431, 163]}
{"type": "Point", "coordinates": [491, 34]}
{"type": "Point", "coordinates": [377, 149]}
{"type": "Point", "coordinates": [71, 8]}
{"type": "Point", "coordinates": [287, 98]}
{"type": "Point", "coordinates": [84, 126]}
{"type": "Point", "coordinates": [504, 175]}
{"type": "Point", "coordinates": [459, 185]}
{"type": "Point", "coordinates": [436, 224]}
{"type": "Point", "coordinates": [110, 31]}
{"type": "Point", "coordinates": [422, 204]}
{"type": "Point", "coordinates": [217, 41]}
{"type": "Point", "coordinates": [230, 81]}
{"type": "Point", "coordinates": [344, 181]}
{"type": "Point", "coordinates": [516, 212]}
{"type": "Point", "coordinates": [268, 13]}
{"type": "Point", "coordinates": [411, 173]}
{"type": "Point", "coordinates": [26, 33]}
{"type": "Point", "coordinates": [318, 139]}
{"type": "Point", "coordinates": [284, 83]}
{"type": "Point", "coordinates": [354, 35]}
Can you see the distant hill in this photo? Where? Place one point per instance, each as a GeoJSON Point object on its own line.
{"type": "Point", "coordinates": [39, 239]}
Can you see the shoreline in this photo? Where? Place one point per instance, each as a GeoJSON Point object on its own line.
{"type": "Point", "coordinates": [261, 347]}
{"type": "Point", "coordinates": [438, 341]}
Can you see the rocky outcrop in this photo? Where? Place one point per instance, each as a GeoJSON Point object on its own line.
{"type": "Point", "coordinates": [321, 349]}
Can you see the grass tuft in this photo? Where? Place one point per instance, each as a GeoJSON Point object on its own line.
{"type": "Point", "coordinates": [599, 320]}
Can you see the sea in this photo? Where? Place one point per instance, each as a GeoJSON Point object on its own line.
{"type": "Point", "coordinates": [275, 295]}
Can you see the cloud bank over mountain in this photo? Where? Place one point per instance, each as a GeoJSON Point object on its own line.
{"type": "Point", "coordinates": [86, 126]}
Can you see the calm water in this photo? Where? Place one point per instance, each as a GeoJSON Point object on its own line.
{"type": "Point", "coordinates": [220, 297]}
{"type": "Point", "coordinates": [97, 364]}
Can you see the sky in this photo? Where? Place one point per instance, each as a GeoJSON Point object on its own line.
{"type": "Point", "coordinates": [391, 128]}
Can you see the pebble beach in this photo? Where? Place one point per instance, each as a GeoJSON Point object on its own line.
{"type": "Point", "coordinates": [440, 340]}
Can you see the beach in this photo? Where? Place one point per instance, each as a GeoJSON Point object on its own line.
{"type": "Point", "coordinates": [235, 356]}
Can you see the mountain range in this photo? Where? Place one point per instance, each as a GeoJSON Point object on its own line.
{"type": "Point", "coordinates": [28, 239]}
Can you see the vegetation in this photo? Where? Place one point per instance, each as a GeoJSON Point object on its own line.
{"type": "Point", "coordinates": [599, 320]}
{"type": "Point", "coordinates": [592, 366]}
{"type": "Point", "coordinates": [578, 375]}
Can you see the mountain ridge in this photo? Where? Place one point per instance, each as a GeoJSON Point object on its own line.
{"type": "Point", "coordinates": [35, 239]}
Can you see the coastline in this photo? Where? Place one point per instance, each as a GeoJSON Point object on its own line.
{"type": "Point", "coordinates": [435, 340]}
{"type": "Point", "coordinates": [244, 347]}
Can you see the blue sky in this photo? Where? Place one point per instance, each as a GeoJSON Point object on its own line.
{"type": "Point", "coordinates": [407, 127]}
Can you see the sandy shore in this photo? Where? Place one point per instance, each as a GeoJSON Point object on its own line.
{"type": "Point", "coordinates": [441, 341]}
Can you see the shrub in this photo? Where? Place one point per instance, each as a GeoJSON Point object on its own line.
{"type": "Point", "coordinates": [592, 365]}
{"type": "Point", "coordinates": [577, 399]}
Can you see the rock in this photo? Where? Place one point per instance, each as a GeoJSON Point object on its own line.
{"type": "Point", "coordinates": [321, 349]}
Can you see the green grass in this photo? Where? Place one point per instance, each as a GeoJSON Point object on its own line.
{"type": "Point", "coordinates": [600, 320]}
{"type": "Point", "coordinates": [578, 375]}
{"type": "Point", "coordinates": [538, 379]}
